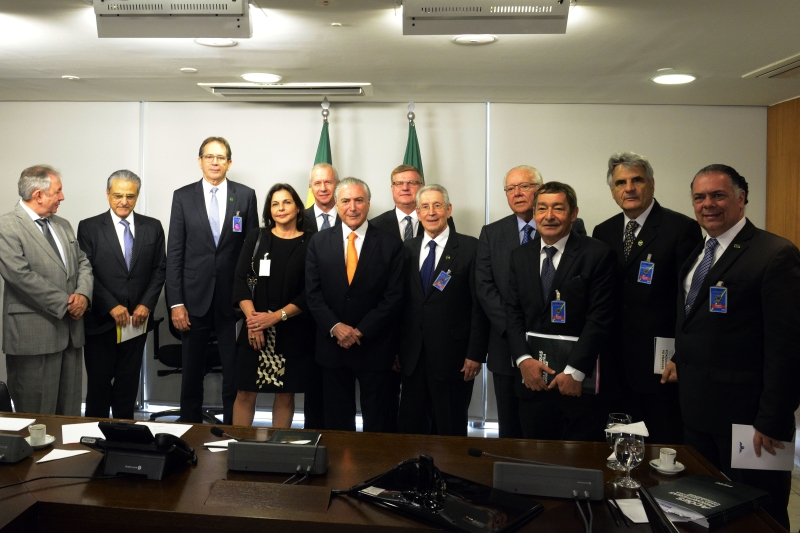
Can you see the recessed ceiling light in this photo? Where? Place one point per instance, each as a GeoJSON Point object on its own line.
{"type": "Point", "coordinates": [336, 24]}
{"type": "Point", "coordinates": [188, 70]}
{"type": "Point", "coordinates": [216, 42]}
{"type": "Point", "coordinates": [70, 77]}
{"type": "Point", "coordinates": [674, 79]}
{"type": "Point", "coordinates": [261, 77]}
{"type": "Point", "coordinates": [474, 39]}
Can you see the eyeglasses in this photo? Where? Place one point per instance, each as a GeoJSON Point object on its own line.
{"type": "Point", "coordinates": [432, 207]}
{"type": "Point", "coordinates": [404, 183]}
{"type": "Point", "coordinates": [523, 187]}
{"type": "Point", "coordinates": [211, 158]}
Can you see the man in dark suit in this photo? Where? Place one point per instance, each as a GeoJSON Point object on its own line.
{"type": "Point", "coordinates": [651, 243]}
{"type": "Point", "coordinates": [322, 182]}
{"type": "Point", "coordinates": [128, 260]}
{"type": "Point", "coordinates": [443, 331]}
{"type": "Point", "coordinates": [208, 224]}
{"type": "Point", "coordinates": [495, 244]}
{"type": "Point", "coordinates": [736, 359]}
{"type": "Point", "coordinates": [403, 220]}
{"type": "Point", "coordinates": [354, 291]}
{"type": "Point", "coordinates": [573, 274]}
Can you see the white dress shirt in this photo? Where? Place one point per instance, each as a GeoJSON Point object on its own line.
{"type": "Point", "coordinates": [35, 217]}
{"type": "Point", "coordinates": [120, 229]}
{"type": "Point", "coordinates": [401, 222]}
{"type": "Point", "coordinates": [440, 241]}
{"type": "Point", "coordinates": [724, 241]}
{"type": "Point", "coordinates": [222, 200]}
{"type": "Point", "coordinates": [639, 220]}
{"type": "Point", "coordinates": [320, 219]}
{"type": "Point", "coordinates": [521, 227]}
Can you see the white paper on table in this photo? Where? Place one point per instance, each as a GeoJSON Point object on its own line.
{"type": "Point", "coordinates": [161, 427]}
{"type": "Point", "coordinates": [61, 454]}
{"type": "Point", "coordinates": [218, 445]}
{"type": "Point", "coordinates": [664, 349]}
{"type": "Point", "coordinates": [637, 428]}
{"type": "Point", "coordinates": [72, 433]}
{"type": "Point", "coordinates": [15, 424]}
{"type": "Point", "coordinates": [744, 456]}
{"type": "Point", "coordinates": [129, 332]}
{"type": "Point", "coordinates": [633, 509]}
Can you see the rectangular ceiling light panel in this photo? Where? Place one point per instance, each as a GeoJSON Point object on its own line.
{"type": "Point", "coordinates": [284, 90]}
{"type": "Point", "coordinates": [458, 17]}
{"type": "Point", "coordinates": [165, 18]}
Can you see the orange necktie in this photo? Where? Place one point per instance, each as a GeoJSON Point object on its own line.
{"type": "Point", "coordinates": [352, 257]}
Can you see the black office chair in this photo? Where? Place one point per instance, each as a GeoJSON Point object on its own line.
{"type": "Point", "coordinates": [5, 399]}
{"type": "Point", "coordinates": [170, 355]}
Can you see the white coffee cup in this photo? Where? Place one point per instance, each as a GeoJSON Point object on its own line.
{"type": "Point", "coordinates": [38, 433]}
{"type": "Point", "coordinates": [667, 458]}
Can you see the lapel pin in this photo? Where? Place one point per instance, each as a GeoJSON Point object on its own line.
{"type": "Point", "coordinates": [737, 246]}
{"type": "Point", "coordinates": [231, 198]}
{"type": "Point", "coordinates": [640, 243]}
{"type": "Point", "coordinates": [447, 257]}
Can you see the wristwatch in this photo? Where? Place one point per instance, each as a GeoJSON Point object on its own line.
{"type": "Point", "coordinates": [284, 316]}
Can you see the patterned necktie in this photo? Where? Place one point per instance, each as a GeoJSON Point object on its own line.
{"type": "Point", "coordinates": [630, 234]}
{"type": "Point", "coordinates": [48, 235]}
{"type": "Point", "coordinates": [526, 233]}
{"type": "Point", "coordinates": [700, 274]}
{"type": "Point", "coordinates": [128, 239]}
{"type": "Point", "coordinates": [352, 257]}
{"type": "Point", "coordinates": [408, 232]}
{"type": "Point", "coordinates": [548, 271]}
{"type": "Point", "coordinates": [325, 222]}
{"type": "Point", "coordinates": [426, 272]}
{"type": "Point", "coordinates": [213, 216]}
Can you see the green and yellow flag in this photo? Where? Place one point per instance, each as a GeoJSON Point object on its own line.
{"type": "Point", "coordinates": [323, 148]}
{"type": "Point", "coordinates": [413, 157]}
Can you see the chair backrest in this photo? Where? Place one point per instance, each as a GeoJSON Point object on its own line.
{"type": "Point", "coordinates": [5, 399]}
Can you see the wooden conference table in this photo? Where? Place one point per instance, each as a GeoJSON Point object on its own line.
{"type": "Point", "coordinates": [207, 497]}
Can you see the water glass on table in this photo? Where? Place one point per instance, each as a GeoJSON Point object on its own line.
{"type": "Point", "coordinates": [615, 419]}
{"type": "Point", "coordinates": [629, 450]}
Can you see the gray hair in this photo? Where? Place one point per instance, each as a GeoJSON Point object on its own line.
{"type": "Point", "coordinates": [320, 166]}
{"type": "Point", "coordinates": [351, 181]}
{"type": "Point", "coordinates": [35, 178]}
{"type": "Point", "coordinates": [434, 187]}
{"type": "Point", "coordinates": [533, 172]}
{"type": "Point", "coordinates": [628, 160]}
{"type": "Point", "coordinates": [124, 175]}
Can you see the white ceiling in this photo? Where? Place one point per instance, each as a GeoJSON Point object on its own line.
{"type": "Point", "coordinates": [610, 51]}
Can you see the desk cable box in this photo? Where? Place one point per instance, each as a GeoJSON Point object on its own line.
{"type": "Point", "coordinates": [276, 457]}
{"type": "Point", "coordinates": [551, 481]}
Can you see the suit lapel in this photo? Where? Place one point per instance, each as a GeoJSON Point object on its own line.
{"type": "Point", "coordinates": [230, 205]}
{"type": "Point", "coordinates": [63, 238]}
{"type": "Point", "coordinates": [36, 234]}
{"type": "Point", "coordinates": [446, 260]}
{"type": "Point", "coordinates": [202, 212]}
{"type": "Point", "coordinates": [565, 264]}
{"type": "Point", "coordinates": [110, 234]}
{"type": "Point", "coordinates": [534, 250]}
{"type": "Point", "coordinates": [138, 241]}
{"type": "Point", "coordinates": [335, 236]}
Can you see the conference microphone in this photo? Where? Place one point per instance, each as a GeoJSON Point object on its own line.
{"type": "Point", "coordinates": [218, 432]}
{"type": "Point", "coordinates": [477, 452]}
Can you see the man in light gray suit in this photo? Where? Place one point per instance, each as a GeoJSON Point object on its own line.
{"type": "Point", "coordinates": [48, 286]}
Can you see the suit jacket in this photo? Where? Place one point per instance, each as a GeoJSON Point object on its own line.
{"type": "Point", "coordinates": [310, 221]}
{"type": "Point", "coordinates": [492, 269]}
{"type": "Point", "coordinates": [388, 222]}
{"type": "Point", "coordinates": [584, 278]}
{"type": "Point", "coordinates": [370, 303]}
{"type": "Point", "coordinates": [197, 271]}
{"type": "Point", "coordinates": [113, 284]}
{"type": "Point", "coordinates": [450, 323]}
{"type": "Point", "coordinates": [742, 367]}
{"type": "Point", "coordinates": [644, 311]}
{"type": "Point", "coordinates": [38, 285]}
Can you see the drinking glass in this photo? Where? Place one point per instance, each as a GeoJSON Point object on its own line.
{"type": "Point", "coordinates": [629, 450]}
{"type": "Point", "coordinates": [615, 419]}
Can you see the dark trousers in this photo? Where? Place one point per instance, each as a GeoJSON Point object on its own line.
{"type": "Point", "coordinates": [194, 350]}
{"type": "Point", "coordinates": [112, 374]}
{"type": "Point", "coordinates": [717, 449]}
{"type": "Point", "coordinates": [552, 416]}
{"type": "Point", "coordinates": [426, 400]}
{"type": "Point", "coordinates": [507, 407]}
{"type": "Point", "coordinates": [660, 411]}
{"type": "Point", "coordinates": [339, 392]}
{"type": "Point", "coordinates": [313, 401]}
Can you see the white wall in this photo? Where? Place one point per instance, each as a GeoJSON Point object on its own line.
{"type": "Point", "coordinates": [277, 142]}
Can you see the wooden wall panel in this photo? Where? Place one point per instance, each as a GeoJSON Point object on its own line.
{"type": "Point", "coordinates": [783, 170]}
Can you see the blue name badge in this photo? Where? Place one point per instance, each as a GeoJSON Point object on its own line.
{"type": "Point", "coordinates": [558, 312]}
{"type": "Point", "coordinates": [718, 300]}
{"type": "Point", "coordinates": [442, 279]}
{"type": "Point", "coordinates": [237, 224]}
{"type": "Point", "coordinates": [646, 272]}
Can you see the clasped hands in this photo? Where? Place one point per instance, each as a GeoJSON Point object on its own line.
{"type": "Point", "coordinates": [256, 324]}
{"type": "Point", "coordinates": [532, 376]}
{"type": "Point", "coordinates": [123, 318]}
{"type": "Point", "coordinates": [346, 336]}
{"type": "Point", "coordinates": [77, 304]}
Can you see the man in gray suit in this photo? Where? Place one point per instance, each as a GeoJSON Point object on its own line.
{"type": "Point", "coordinates": [48, 286]}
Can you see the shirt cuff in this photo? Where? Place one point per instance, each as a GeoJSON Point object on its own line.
{"type": "Point", "coordinates": [576, 374]}
{"type": "Point", "coordinates": [334, 327]}
{"type": "Point", "coordinates": [176, 305]}
{"type": "Point", "coordinates": [521, 358]}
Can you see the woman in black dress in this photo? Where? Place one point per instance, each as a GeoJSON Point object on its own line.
{"type": "Point", "coordinates": [276, 342]}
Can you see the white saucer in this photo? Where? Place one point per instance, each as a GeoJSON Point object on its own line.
{"type": "Point", "coordinates": [48, 440]}
{"type": "Point", "coordinates": [656, 463]}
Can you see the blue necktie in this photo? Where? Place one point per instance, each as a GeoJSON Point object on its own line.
{"type": "Point", "coordinates": [426, 272]}
{"type": "Point", "coordinates": [526, 233]}
{"type": "Point", "coordinates": [408, 232]}
{"type": "Point", "coordinates": [128, 240]}
{"type": "Point", "coordinates": [325, 222]}
{"type": "Point", "coordinates": [213, 216]}
{"type": "Point", "coordinates": [548, 271]}
{"type": "Point", "coordinates": [700, 274]}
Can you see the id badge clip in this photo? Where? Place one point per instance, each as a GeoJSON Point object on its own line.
{"type": "Point", "coordinates": [718, 299]}
{"type": "Point", "coordinates": [558, 310]}
{"type": "Point", "coordinates": [646, 271]}
{"type": "Point", "coordinates": [263, 266]}
{"type": "Point", "coordinates": [237, 223]}
{"type": "Point", "coordinates": [442, 280]}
